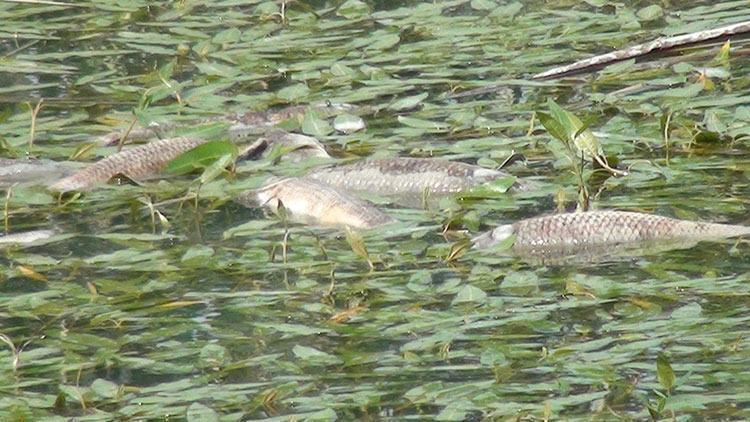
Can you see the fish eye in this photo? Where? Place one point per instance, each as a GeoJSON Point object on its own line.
{"type": "Point", "coordinates": [329, 103]}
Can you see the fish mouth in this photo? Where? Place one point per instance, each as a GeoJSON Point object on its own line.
{"type": "Point", "coordinates": [493, 237]}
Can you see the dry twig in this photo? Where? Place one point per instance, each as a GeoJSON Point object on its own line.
{"type": "Point", "coordinates": [659, 44]}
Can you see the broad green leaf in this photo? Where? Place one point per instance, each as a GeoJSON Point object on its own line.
{"type": "Point", "coordinates": [408, 103]}
{"type": "Point", "coordinates": [554, 127]}
{"type": "Point", "coordinates": [198, 412]}
{"type": "Point", "coordinates": [202, 156]}
{"type": "Point", "coordinates": [216, 168]}
{"type": "Point", "coordinates": [664, 372]}
{"type": "Point", "coordinates": [294, 93]}
{"type": "Point", "coordinates": [353, 9]}
{"type": "Point", "coordinates": [313, 355]}
{"type": "Point", "coordinates": [585, 140]}
{"type": "Point", "coordinates": [313, 126]}
{"type": "Point", "coordinates": [105, 389]}
{"type": "Point", "coordinates": [650, 13]}
{"type": "Point", "coordinates": [470, 293]}
{"type": "Point", "coordinates": [230, 35]}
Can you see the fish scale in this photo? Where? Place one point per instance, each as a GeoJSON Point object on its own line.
{"type": "Point", "coordinates": [313, 202]}
{"type": "Point", "coordinates": [138, 162]}
{"type": "Point", "coordinates": [398, 176]}
{"type": "Point", "coordinates": [595, 228]}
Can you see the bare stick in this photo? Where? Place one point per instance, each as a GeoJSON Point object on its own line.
{"type": "Point", "coordinates": [659, 44]}
{"type": "Point", "coordinates": [34, 113]}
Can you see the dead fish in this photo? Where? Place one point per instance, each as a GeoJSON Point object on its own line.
{"type": "Point", "coordinates": [315, 203]}
{"type": "Point", "coordinates": [25, 238]}
{"type": "Point", "coordinates": [32, 172]}
{"type": "Point", "coordinates": [296, 147]}
{"type": "Point", "coordinates": [581, 230]}
{"type": "Point", "coordinates": [137, 163]}
{"type": "Point", "coordinates": [242, 125]}
{"type": "Point", "coordinates": [409, 176]}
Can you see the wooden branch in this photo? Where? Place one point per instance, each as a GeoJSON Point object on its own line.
{"type": "Point", "coordinates": [659, 44]}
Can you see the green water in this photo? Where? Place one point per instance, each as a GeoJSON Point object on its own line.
{"type": "Point", "coordinates": [200, 315]}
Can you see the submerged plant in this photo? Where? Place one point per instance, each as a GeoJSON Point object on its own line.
{"type": "Point", "coordinates": [579, 142]}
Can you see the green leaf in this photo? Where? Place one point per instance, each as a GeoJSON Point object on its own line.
{"type": "Point", "coordinates": [216, 168]}
{"type": "Point", "coordinates": [199, 413]}
{"type": "Point", "coordinates": [353, 9]}
{"type": "Point", "coordinates": [470, 293]}
{"type": "Point", "coordinates": [483, 4]}
{"type": "Point", "coordinates": [294, 93]}
{"type": "Point", "coordinates": [202, 156]}
{"type": "Point", "coordinates": [582, 137]}
{"type": "Point", "coordinates": [196, 254]}
{"type": "Point", "coordinates": [650, 13]}
{"type": "Point", "coordinates": [105, 389]}
{"type": "Point", "coordinates": [313, 355]}
{"type": "Point", "coordinates": [358, 245]}
{"type": "Point", "coordinates": [420, 123]}
{"type": "Point", "coordinates": [408, 103]}
{"type": "Point", "coordinates": [313, 126]}
{"type": "Point", "coordinates": [217, 69]}
{"type": "Point", "coordinates": [554, 127]}
{"type": "Point", "coordinates": [664, 372]}
{"type": "Point", "coordinates": [230, 35]}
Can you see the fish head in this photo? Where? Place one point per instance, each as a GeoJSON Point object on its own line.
{"type": "Point", "coordinates": [493, 237]}
{"type": "Point", "coordinates": [295, 147]}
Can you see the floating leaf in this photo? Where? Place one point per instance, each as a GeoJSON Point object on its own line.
{"type": "Point", "coordinates": [353, 9]}
{"type": "Point", "coordinates": [470, 293]}
{"type": "Point", "coordinates": [408, 103]}
{"type": "Point", "coordinates": [105, 389]}
{"type": "Point", "coordinates": [197, 412]}
{"type": "Point", "coordinates": [294, 93]}
{"type": "Point", "coordinates": [650, 13]}
{"type": "Point", "coordinates": [419, 123]}
{"type": "Point", "coordinates": [202, 156]}
{"type": "Point", "coordinates": [313, 126]}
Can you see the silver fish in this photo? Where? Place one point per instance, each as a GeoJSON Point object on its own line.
{"type": "Point", "coordinates": [138, 163]}
{"type": "Point", "coordinates": [571, 232]}
{"type": "Point", "coordinates": [242, 125]}
{"type": "Point", "coordinates": [32, 172]}
{"type": "Point", "coordinates": [410, 176]}
{"type": "Point", "coordinates": [25, 238]}
{"type": "Point", "coordinates": [312, 202]}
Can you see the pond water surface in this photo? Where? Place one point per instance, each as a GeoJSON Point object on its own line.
{"type": "Point", "coordinates": [151, 307]}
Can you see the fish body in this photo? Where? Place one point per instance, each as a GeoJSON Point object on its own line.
{"type": "Point", "coordinates": [582, 230]}
{"type": "Point", "coordinates": [25, 238]}
{"type": "Point", "coordinates": [32, 172]}
{"type": "Point", "coordinates": [409, 176]}
{"type": "Point", "coordinates": [312, 202]}
{"type": "Point", "coordinates": [138, 163]}
{"type": "Point", "coordinates": [241, 125]}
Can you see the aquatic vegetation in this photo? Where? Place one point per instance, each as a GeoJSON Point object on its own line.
{"type": "Point", "coordinates": [168, 300]}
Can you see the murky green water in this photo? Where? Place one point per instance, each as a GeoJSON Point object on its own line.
{"type": "Point", "coordinates": [202, 316]}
